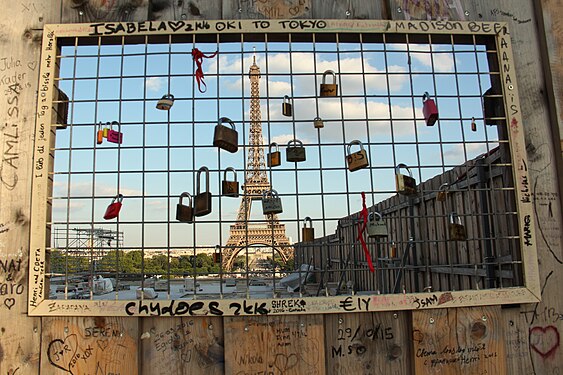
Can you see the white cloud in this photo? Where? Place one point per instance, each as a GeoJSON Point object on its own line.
{"type": "Point", "coordinates": [443, 61]}
{"type": "Point", "coordinates": [154, 83]}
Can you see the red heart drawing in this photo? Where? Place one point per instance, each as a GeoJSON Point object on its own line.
{"type": "Point", "coordinates": [544, 340]}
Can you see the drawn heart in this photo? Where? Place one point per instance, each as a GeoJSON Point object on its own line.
{"type": "Point", "coordinates": [544, 340]}
{"type": "Point", "coordinates": [294, 10]}
{"type": "Point", "coordinates": [102, 344]}
{"type": "Point", "coordinates": [284, 362]}
{"type": "Point", "coordinates": [32, 65]}
{"type": "Point", "coordinates": [9, 302]}
{"type": "Point", "coordinates": [175, 26]}
{"type": "Point", "coordinates": [187, 356]}
{"type": "Point", "coordinates": [60, 352]}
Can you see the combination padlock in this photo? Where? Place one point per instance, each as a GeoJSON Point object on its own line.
{"type": "Point", "coordinates": [202, 201]}
{"type": "Point", "coordinates": [226, 138]}
{"type": "Point", "coordinates": [307, 233]}
{"type": "Point", "coordinates": [318, 123]}
{"type": "Point", "coordinates": [287, 107]}
{"type": "Point", "coordinates": [274, 158]}
{"type": "Point", "coordinates": [114, 207]}
{"type": "Point", "coordinates": [295, 152]}
{"type": "Point", "coordinates": [271, 203]}
{"type": "Point", "coordinates": [100, 134]}
{"type": "Point", "coordinates": [456, 229]}
{"type": "Point", "coordinates": [356, 160]}
{"type": "Point", "coordinates": [115, 136]}
{"type": "Point", "coordinates": [429, 109]}
{"type": "Point", "coordinates": [329, 89]}
{"type": "Point", "coordinates": [376, 226]}
{"type": "Point", "coordinates": [230, 188]}
{"type": "Point", "coordinates": [184, 213]}
{"type": "Point", "coordinates": [166, 102]}
{"type": "Point", "coordinates": [493, 108]}
{"type": "Point", "coordinates": [406, 185]}
{"type": "Point", "coordinates": [443, 192]}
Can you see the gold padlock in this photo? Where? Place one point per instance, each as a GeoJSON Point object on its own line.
{"type": "Point", "coordinates": [406, 185]}
{"type": "Point", "coordinates": [226, 138]}
{"type": "Point", "coordinates": [230, 188]}
{"type": "Point", "coordinates": [166, 102]}
{"type": "Point", "coordinates": [286, 106]}
{"type": "Point", "coordinates": [307, 233]}
{"type": "Point", "coordinates": [329, 89]}
{"type": "Point", "coordinates": [443, 192]}
{"type": "Point", "coordinates": [295, 151]}
{"type": "Point", "coordinates": [274, 158]}
{"type": "Point", "coordinates": [318, 123]}
{"type": "Point", "coordinates": [356, 160]}
{"type": "Point", "coordinates": [456, 229]}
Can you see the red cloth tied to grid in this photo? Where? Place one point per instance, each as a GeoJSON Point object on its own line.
{"type": "Point", "coordinates": [364, 214]}
{"type": "Point", "coordinates": [198, 58]}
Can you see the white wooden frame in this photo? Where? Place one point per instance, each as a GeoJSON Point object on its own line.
{"type": "Point", "coordinates": [38, 305]}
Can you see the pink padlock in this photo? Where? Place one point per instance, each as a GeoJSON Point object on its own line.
{"type": "Point", "coordinates": [429, 109]}
{"type": "Point", "coordinates": [115, 206]}
{"type": "Point", "coordinates": [115, 136]}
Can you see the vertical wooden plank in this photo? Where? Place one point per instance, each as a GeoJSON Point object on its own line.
{"type": "Point", "coordinates": [474, 346]}
{"type": "Point", "coordinates": [79, 11]}
{"type": "Point", "coordinates": [182, 346]}
{"type": "Point", "coordinates": [373, 343]}
{"type": "Point", "coordinates": [271, 9]}
{"type": "Point", "coordinates": [21, 25]}
{"type": "Point", "coordinates": [278, 345]}
{"type": "Point", "coordinates": [427, 9]}
{"type": "Point", "coordinates": [88, 345]}
{"type": "Point", "coordinates": [516, 341]}
{"type": "Point", "coordinates": [352, 9]}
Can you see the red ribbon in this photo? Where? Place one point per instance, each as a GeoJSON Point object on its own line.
{"type": "Point", "coordinates": [198, 58]}
{"type": "Point", "coordinates": [364, 214]}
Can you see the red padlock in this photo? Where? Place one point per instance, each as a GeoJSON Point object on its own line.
{"type": "Point", "coordinates": [429, 109]}
{"type": "Point", "coordinates": [115, 206]}
{"type": "Point", "coordinates": [115, 136]}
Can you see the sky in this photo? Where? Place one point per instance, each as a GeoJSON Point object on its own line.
{"type": "Point", "coordinates": [379, 103]}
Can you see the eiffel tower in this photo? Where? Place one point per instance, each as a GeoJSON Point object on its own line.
{"type": "Point", "coordinates": [243, 234]}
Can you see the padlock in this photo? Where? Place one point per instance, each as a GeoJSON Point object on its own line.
{"type": "Point", "coordinates": [443, 192]}
{"type": "Point", "coordinates": [376, 226]}
{"type": "Point", "coordinates": [115, 206]}
{"type": "Point", "coordinates": [217, 255]}
{"type": "Point", "coordinates": [473, 124]}
{"type": "Point", "coordinates": [356, 160]}
{"type": "Point", "coordinates": [406, 185]}
{"type": "Point", "coordinates": [493, 108]}
{"type": "Point", "coordinates": [165, 103]}
{"type": "Point", "coordinates": [456, 229]}
{"type": "Point", "coordinates": [393, 250]}
{"type": "Point", "coordinates": [271, 203]}
{"type": "Point", "coordinates": [184, 213]}
{"type": "Point", "coordinates": [318, 123]}
{"type": "Point", "coordinates": [329, 89]}
{"type": "Point", "coordinates": [274, 158]}
{"type": "Point", "coordinates": [106, 129]}
{"type": "Point", "coordinates": [286, 106]}
{"type": "Point", "coordinates": [226, 138]}
{"type": "Point", "coordinates": [115, 136]}
{"type": "Point", "coordinates": [230, 188]}
{"type": "Point", "coordinates": [307, 233]}
{"type": "Point", "coordinates": [100, 134]}
{"type": "Point", "coordinates": [62, 108]}
{"type": "Point", "coordinates": [202, 201]}
{"type": "Point", "coordinates": [429, 109]}
{"type": "Point", "coordinates": [295, 151]}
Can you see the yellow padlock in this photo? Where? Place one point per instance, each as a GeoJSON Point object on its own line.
{"type": "Point", "coordinates": [329, 89]}
{"type": "Point", "coordinates": [443, 192]}
{"type": "Point", "coordinates": [406, 185]}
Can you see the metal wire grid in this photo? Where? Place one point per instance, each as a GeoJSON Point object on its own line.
{"type": "Point", "coordinates": [398, 53]}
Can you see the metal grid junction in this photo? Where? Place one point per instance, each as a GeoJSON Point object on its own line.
{"type": "Point", "coordinates": [459, 231]}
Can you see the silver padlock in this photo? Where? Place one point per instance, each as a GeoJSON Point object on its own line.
{"type": "Point", "coordinates": [202, 200]}
{"type": "Point", "coordinates": [376, 226]}
{"type": "Point", "coordinates": [165, 103]}
{"type": "Point", "coordinates": [295, 152]}
{"type": "Point", "coordinates": [271, 203]}
{"type": "Point", "coordinates": [329, 89]}
{"type": "Point", "coordinates": [224, 137]}
{"type": "Point", "coordinates": [230, 188]}
{"type": "Point", "coordinates": [356, 160]}
{"type": "Point", "coordinates": [318, 123]}
{"type": "Point", "coordinates": [406, 185]}
{"type": "Point", "coordinates": [287, 109]}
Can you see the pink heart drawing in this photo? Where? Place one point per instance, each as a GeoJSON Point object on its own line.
{"type": "Point", "coordinates": [544, 340]}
